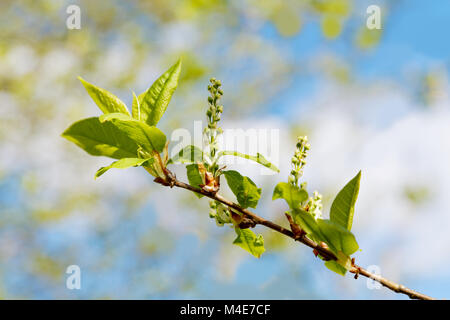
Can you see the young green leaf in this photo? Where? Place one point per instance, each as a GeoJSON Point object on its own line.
{"type": "Point", "coordinates": [245, 190]}
{"type": "Point", "coordinates": [335, 267]}
{"type": "Point", "coordinates": [115, 115]}
{"type": "Point", "coordinates": [194, 177]}
{"type": "Point", "coordinates": [307, 222]}
{"type": "Point", "coordinates": [259, 158]}
{"type": "Point", "coordinates": [153, 102]}
{"type": "Point", "coordinates": [343, 206]}
{"type": "Point", "coordinates": [136, 108]}
{"type": "Point", "coordinates": [149, 138]}
{"type": "Point", "coordinates": [123, 164]}
{"type": "Point", "coordinates": [105, 100]}
{"type": "Point", "coordinates": [334, 235]}
{"type": "Point", "coordinates": [292, 194]}
{"type": "Point", "coordinates": [337, 237]}
{"type": "Point", "coordinates": [189, 154]}
{"type": "Point", "coordinates": [249, 241]}
{"type": "Point", "coordinates": [101, 139]}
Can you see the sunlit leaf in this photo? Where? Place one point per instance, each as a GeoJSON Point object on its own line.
{"type": "Point", "coordinates": [123, 164]}
{"type": "Point", "coordinates": [153, 102]}
{"type": "Point", "coordinates": [307, 222]}
{"type": "Point", "coordinates": [148, 137]}
{"type": "Point", "coordinates": [292, 194]}
{"type": "Point", "coordinates": [111, 116]}
{"type": "Point", "coordinates": [245, 190]}
{"type": "Point", "coordinates": [343, 206]}
{"type": "Point", "coordinates": [136, 108]}
{"type": "Point", "coordinates": [249, 241]}
{"type": "Point", "coordinates": [105, 100]}
{"type": "Point", "coordinates": [189, 154]}
{"type": "Point", "coordinates": [194, 177]}
{"type": "Point", "coordinates": [101, 139]}
{"type": "Point", "coordinates": [337, 237]}
{"type": "Point", "coordinates": [259, 158]}
{"type": "Point", "coordinates": [335, 267]}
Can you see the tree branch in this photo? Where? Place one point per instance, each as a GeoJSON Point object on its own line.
{"type": "Point", "coordinates": [324, 252]}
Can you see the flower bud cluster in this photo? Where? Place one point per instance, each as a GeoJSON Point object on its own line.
{"type": "Point", "coordinates": [213, 114]}
{"type": "Point", "coordinates": [299, 160]}
{"type": "Point", "coordinates": [314, 205]}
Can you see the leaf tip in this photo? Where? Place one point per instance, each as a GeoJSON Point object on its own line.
{"type": "Point", "coordinates": [84, 82]}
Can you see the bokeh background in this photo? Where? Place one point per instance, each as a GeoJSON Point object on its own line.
{"type": "Point", "coordinates": [371, 100]}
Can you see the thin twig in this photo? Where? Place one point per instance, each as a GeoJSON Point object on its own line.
{"type": "Point", "coordinates": [325, 253]}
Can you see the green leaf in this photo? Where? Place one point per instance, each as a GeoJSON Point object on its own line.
{"type": "Point", "coordinates": [148, 137]}
{"type": "Point", "coordinates": [259, 158]}
{"type": "Point", "coordinates": [114, 116]}
{"type": "Point", "coordinates": [292, 194]}
{"type": "Point", "coordinates": [194, 177]}
{"type": "Point", "coordinates": [105, 100]}
{"type": "Point", "coordinates": [189, 154]}
{"type": "Point", "coordinates": [154, 101]}
{"type": "Point", "coordinates": [343, 206]}
{"type": "Point", "coordinates": [334, 235]}
{"type": "Point", "coordinates": [136, 108]}
{"type": "Point", "coordinates": [335, 267]}
{"type": "Point", "coordinates": [249, 241]}
{"type": "Point", "coordinates": [337, 237]}
{"type": "Point", "coordinates": [245, 190]}
{"type": "Point", "coordinates": [101, 139]}
{"type": "Point", "coordinates": [123, 164]}
{"type": "Point", "coordinates": [307, 222]}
